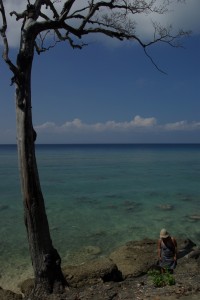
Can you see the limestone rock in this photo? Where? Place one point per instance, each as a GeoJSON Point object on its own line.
{"type": "Point", "coordinates": [185, 247]}
{"type": "Point", "coordinates": [8, 295]}
{"type": "Point", "coordinates": [26, 286]}
{"type": "Point", "coordinates": [92, 272]}
{"type": "Point", "coordinates": [135, 258]}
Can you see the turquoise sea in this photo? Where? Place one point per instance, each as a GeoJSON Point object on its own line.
{"type": "Point", "coordinates": [99, 197]}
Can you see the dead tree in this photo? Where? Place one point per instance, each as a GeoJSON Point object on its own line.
{"type": "Point", "coordinates": [70, 21]}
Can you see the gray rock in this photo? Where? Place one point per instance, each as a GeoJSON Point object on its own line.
{"type": "Point", "coordinates": [185, 247]}
{"type": "Point", "coordinates": [102, 279]}
{"type": "Point", "coordinates": [8, 295]}
{"type": "Point", "coordinates": [93, 272]}
{"type": "Point", "coordinates": [135, 258]}
{"type": "Point", "coordinates": [26, 286]}
{"type": "Point", "coordinates": [4, 207]}
{"type": "Point", "coordinates": [194, 254]}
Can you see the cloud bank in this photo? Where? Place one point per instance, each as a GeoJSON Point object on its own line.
{"type": "Point", "coordinates": [138, 129]}
{"type": "Point", "coordinates": [137, 124]}
{"type": "Point", "coordinates": [78, 126]}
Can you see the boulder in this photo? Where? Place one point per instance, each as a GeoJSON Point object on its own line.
{"type": "Point", "coordinates": [8, 295]}
{"type": "Point", "coordinates": [92, 272]}
{"type": "Point", "coordinates": [131, 260]}
{"type": "Point", "coordinates": [26, 286]}
{"type": "Point", "coordinates": [185, 247]}
{"type": "Point", "coordinates": [135, 257]}
{"type": "Point", "coordinates": [194, 254]}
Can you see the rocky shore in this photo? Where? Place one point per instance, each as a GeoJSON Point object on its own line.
{"type": "Point", "coordinates": [123, 275]}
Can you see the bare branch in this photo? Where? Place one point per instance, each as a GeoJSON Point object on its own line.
{"type": "Point", "coordinates": [44, 49]}
{"type": "Point", "coordinates": [113, 18]}
{"type": "Point", "coordinates": [123, 8]}
{"type": "Point", "coordinates": [19, 15]}
{"type": "Point", "coordinates": [163, 34]}
{"type": "Point", "coordinates": [48, 3]}
{"type": "Point", "coordinates": [67, 6]}
{"type": "Point", "coordinates": [5, 54]}
{"type": "Point", "coordinates": [34, 10]}
{"type": "Point", "coordinates": [153, 62]}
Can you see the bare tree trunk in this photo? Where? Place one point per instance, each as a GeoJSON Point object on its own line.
{"type": "Point", "coordinates": [45, 259]}
{"type": "Point", "coordinates": [116, 24]}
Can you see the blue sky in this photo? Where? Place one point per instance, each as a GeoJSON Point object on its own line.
{"type": "Point", "coordinates": [110, 92]}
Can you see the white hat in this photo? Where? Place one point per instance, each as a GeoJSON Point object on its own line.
{"type": "Point", "coordinates": [164, 234]}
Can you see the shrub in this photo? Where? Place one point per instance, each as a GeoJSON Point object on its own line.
{"type": "Point", "coordinates": [161, 279]}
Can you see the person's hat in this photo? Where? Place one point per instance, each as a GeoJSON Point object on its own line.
{"type": "Point", "coordinates": [164, 234]}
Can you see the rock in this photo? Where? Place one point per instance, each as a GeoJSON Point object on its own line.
{"type": "Point", "coordinates": [135, 258]}
{"type": "Point", "coordinates": [4, 207]}
{"type": "Point", "coordinates": [26, 286]}
{"type": "Point", "coordinates": [8, 295]}
{"type": "Point", "coordinates": [165, 207]}
{"type": "Point", "coordinates": [93, 272]}
{"type": "Point", "coordinates": [194, 217]}
{"type": "Point", "coordinates": [92, 250]}
{"type": "Point", "coordinates": [194, 254]}
{"type": "Point", "coordinates": [116, 277]}
{"type": "Point", "coordinates": [187, 266]}
{"type": "Point", "coordinates": [185, 247]}
{"type": "Point", "coordinates": [187, 244]}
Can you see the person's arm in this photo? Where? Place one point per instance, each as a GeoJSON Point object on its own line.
{"type": "Point", "coordinates": [159, 249]}
{"type": "Point", "coordinates": [175, 247]}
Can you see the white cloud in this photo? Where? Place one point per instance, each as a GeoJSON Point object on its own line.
{"type": "Point", "coordinates": [182, 125]}
{"type": "Point", "coordinates": [181, 15]}
{"type": "Point", "coordinates": [138, 124]}
{"type": "Point", "coordinates": [137, 130]}
{"type": "Point", "coordinates": [143, 122]}
{"type": "Point", "coordinates": [47, 125]}
{"type": "Point", "coordinates": [75, 124]}
{"type": "Point", "coordinates": [78, 126]}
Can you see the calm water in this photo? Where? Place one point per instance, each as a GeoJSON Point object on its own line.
{"type": "Point", "coordinates": [100, 196]}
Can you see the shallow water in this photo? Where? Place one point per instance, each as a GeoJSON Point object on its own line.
{"type": "Point", "coordinates": [101, 196]}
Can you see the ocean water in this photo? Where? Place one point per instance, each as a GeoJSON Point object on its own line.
{"type": "Point", "coordinates": [98, 197]}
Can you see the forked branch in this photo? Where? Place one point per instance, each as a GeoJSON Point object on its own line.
{"type": "Point", "coordinates": [114, 18]}
{"type": "Point", "coordinates": [5, 54]}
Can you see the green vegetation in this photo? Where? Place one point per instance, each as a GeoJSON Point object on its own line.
{"type": "Point", "coordinates": [161, 279]}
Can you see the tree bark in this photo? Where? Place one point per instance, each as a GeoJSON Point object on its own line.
{"type": "Point", "coordinates": [45, 259]}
